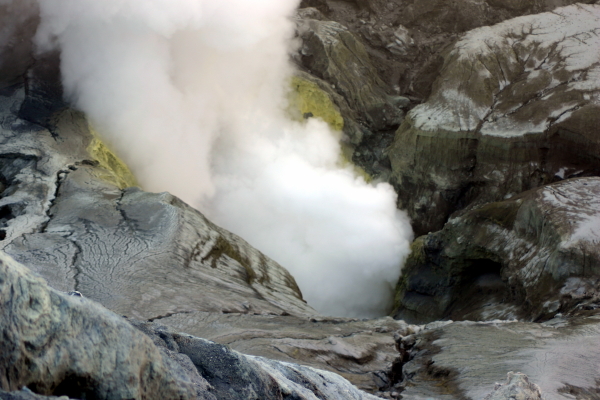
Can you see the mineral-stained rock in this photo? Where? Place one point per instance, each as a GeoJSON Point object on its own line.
{"type": "Point", "coordinates": [529, 257]}
{"type": "Point", "coordinates": [63, 214]}
{"type": "Point", "coordinates": [331, 52]}
{"type": "Point", "coordinates": [516, 106]}
{"type": "Point", "coordinates": [466, 360]}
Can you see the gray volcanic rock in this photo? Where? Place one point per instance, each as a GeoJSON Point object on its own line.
{"type": "Point", "coordinates": [233, 375]}
{"type": "Point", "coordinates": [517, 386]}
{"type": "Point", "coordinates": [64, 345]}
{"type": "Point", "coordinates": [63, 215]}
{"type": "Point", "coordinates": [56, 344]}
{"type": "Point", "coordinates": [397, 46]}
{"type": "Point", "coordinates": [362, 351]}
{"type": "Point", "coordinates": [467, 360]}
{"type": "Point", "coordinates": [516, 106]}
{"type": "Point", "coordinates": [531, 257]}
{"type": "Point", "coordinates": [405, 38]}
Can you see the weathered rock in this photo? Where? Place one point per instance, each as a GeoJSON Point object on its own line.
{"type": "Point", "coordinates": [528, 257]}
{"type": "Point", "coordinates": [233, 375]}
{"type": "Point", "coordinates": [405, 39]}
{"type": "Point", "coordinates": [56, 344]}
{"type": "Point", "coordinates": [517, 386]}
{"type": "Point", "coordinates": [63, 345]}
{"type": "Point", "coordinates": [516, 106]}
{"type": "Point", "coordinates": [331, 52]}
{"type": "Point", "coordinates": [465, 359]}
{"type": "Point", "coordinates": [363, 352]}
{"type": "Point", "coordinates": [64, 215]}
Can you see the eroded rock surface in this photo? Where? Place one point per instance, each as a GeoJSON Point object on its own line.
{"type": "Point", "coordinates": [467, 359]}
{"type": "Point", "coordinates": [64, 345]}
{"type": "Point", "coordinates": [64, 216]}
{"type": "Point", "coordinates": [516, 106]}
{"type": "Point", "coordinates": [362, 351]}
{"type": "Point", "coordinates": [55, 344]}
{"type": "Point", "coordinates": [528, 257]}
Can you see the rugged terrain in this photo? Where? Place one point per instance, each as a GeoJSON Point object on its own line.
{"type": "Point", "coordinates": [487, 132]}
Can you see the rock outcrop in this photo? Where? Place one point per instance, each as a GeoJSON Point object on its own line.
{"type": "Point", "coordinates": [64, 215]}
{"type": "Point", "coordinates": [64, 345]}
{"type": "Point", "coordinates": [467, 360]}
{"type": "Point", "coordinates": [528, 257]}
{"type": "Point", "coordinates": [517, 386]}
{"type": "Point", "coordinates": [516, 106]}
{"type": "Point", "coordinates": [55, 344]}
{"type": "Point", "coordinates": [362, 351]}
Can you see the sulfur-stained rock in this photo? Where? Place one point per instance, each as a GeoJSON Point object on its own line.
{"type": "Point", "coordinates": [331, 52]}
{"type": "Point", "coordinates": [64, 215]}
{"type": "Point", "coordinates": [530, 257]}
{"type": "Point", "coordinates": [516, 106]}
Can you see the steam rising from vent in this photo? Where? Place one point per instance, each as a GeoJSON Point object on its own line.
{"type": "Point", "coordinates": [192, 94]}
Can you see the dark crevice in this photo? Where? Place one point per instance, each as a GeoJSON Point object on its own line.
{"type": "Point", "coordinates": [168, 315]}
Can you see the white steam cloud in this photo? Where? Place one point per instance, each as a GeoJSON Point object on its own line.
{"type": "Point", "coordinates": [192, 94]}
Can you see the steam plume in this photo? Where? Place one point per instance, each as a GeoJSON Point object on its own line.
{"type": "Point", "coordinates": [191, 93]}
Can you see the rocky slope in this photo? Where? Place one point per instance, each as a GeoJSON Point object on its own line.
{"type": "Point", "coordinates": [466, 360]}
{"type": "Point", "coordinates": [405, 41]}
{"type": "Point", "coordinates": [67, 216]}
{"type": "Point", "coordinates": [515, 106]}
{"type": "Point", "coordinates": [55, 344]}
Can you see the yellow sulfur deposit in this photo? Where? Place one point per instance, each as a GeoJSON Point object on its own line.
{"type": "Point", "coordinates": [117, 171]}
{"type": "Point", "coordinates": [311, 100]}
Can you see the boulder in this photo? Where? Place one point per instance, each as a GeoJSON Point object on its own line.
{"type": "Point", "coordinates": [528, 257]}
{"type": "Point", "coordinates": [65, 345]}
{"type": "Point", "coordinates": [515, 107]}
{"type": "Point", "coordinates": [517, 386]}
